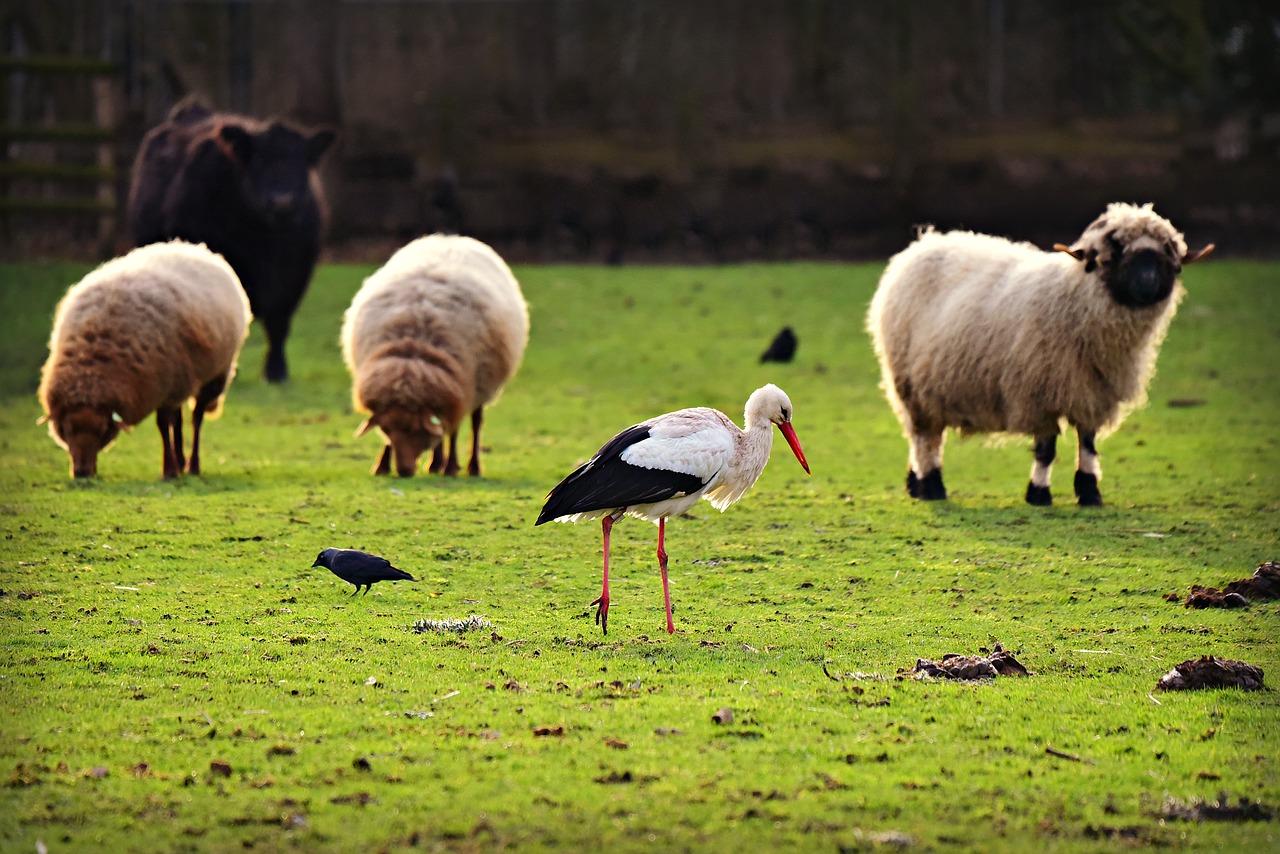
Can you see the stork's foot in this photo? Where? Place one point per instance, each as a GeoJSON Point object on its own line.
{"type": "Point", "coordinates": [602, 613]}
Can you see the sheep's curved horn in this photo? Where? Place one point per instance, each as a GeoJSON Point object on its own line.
{"type": "Point", "coordinates": [365, 427]}
{"type": "Point", "coordinates": [1196, 256]}
{"type": "Point", "coordinates": [1077, 254]}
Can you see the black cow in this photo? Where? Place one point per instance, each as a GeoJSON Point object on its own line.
{"type": "Point", "coordinates": [249, 191]}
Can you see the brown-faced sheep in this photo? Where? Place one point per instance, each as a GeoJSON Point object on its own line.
{"type": "Point", "coordinates": [989, 336]}
{"type": "Point", "coordinates": [143, 333]}
{"type": "Point", "coordinates": [431, 336]}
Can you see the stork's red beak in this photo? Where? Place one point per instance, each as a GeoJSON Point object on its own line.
{"type": "Point", "coordinates": [789, 434]}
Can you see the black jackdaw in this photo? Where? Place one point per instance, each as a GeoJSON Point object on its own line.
{"type": "Point", "coordinates": [782, 348]}
{"type": "Point", "coordinates": [360, 568]}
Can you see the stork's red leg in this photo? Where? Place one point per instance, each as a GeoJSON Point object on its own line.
{"type": "Point", "coordinates": [602, 612]}
{"type": "Point", "coordinates": [662, 565]}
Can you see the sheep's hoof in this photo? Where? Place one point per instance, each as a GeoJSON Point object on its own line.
{"type": "Point", "coordinates": [1087, 490]}
{"type": "Point", "coordinates": [1039, 495]}
{"type": "Point", "coordinates": [913, 484]}
{"type": "Point", "coordinates": [931, 486]}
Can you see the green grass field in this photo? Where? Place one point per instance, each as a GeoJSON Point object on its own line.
{"type": "Point", "coordinates": [176, 676]}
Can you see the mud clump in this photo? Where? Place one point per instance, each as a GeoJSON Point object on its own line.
{"type": "Point", "coordinates": [999, 662]}
{"type": "Point", "coordinates": [1210, 672]}
{"type": "Point", "coordinates": [1262, 586]}
{"type": "Point", "coordinates": [1220, 810]}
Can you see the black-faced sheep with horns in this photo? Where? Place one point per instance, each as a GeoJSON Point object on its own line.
{"type": "Point", "coordinates": [143, 333]}
{"type": "Point", "coordinates": [988, 336]}
{"type": "Point", "coordinates": [433, 335]}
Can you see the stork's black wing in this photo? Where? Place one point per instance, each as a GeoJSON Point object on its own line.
{"type": "Point", "coordinates": [605, 481]}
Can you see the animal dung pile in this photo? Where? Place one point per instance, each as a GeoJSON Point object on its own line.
{"type": "Point", "coordinates": [1264, 584]}
{"type": "Point", "coordinates": [1211, 672]}
{"type": "Point", "coordinates": [999, 662]}
{"type": "Point", "coordinates": [474, 623]}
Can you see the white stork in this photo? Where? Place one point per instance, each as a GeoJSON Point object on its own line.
{"type": "Point", "coordinates": [661, 467]}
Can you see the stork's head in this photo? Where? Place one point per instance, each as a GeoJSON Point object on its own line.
{"type": "Point", "coordinates": [771, 404]}
{"type": "Point", "coordinates": [1136, 254]}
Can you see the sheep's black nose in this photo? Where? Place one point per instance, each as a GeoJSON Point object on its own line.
{"type": "Point", "coordinates": [1147, 279]}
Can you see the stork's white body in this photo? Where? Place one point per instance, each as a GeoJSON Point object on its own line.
{"type": "Point", "coordinates": [662, 467]}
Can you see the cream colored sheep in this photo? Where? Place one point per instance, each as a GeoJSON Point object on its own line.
{"type": "Point", "coordinates": [433, 335]}
{"type": "Point", "coordinates": [143, 333]}
{"type": "Point", "coordinates": [988, 336]}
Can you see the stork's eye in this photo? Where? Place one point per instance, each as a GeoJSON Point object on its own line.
{"type": "Point", "coordinates": [786, 414]}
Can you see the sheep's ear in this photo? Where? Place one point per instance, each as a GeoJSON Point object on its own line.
{"type": "Point", "coordinates": [432, 423]}
{"type": "Point", "coordinates": [369, 424]}
{"type": "Point", "coordinates": [1191, 257]}
{"type": "Point", "coordinates": [42, 420]}
{"type": "Point", "coordinates": [1090, 258]}
{"type": "Point", "coordinates": [1077, 254]}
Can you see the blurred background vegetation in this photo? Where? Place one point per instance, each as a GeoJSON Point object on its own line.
{"type": "Point", "coordinates": [668, 130]}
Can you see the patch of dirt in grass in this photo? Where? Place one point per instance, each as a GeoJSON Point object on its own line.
{"type": "Point", "coordinates": [1262, 586]}
{"type": "Point", "coordinates": [997, 662]}
{"type": "Point", "coordinates": [1222, 809]}
{"type": "Point", "coordinates": [1211, 672]}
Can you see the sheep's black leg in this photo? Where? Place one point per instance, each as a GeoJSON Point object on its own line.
{"type": "Point", "coordinates": [1038, 488]}
{"type": "Point", "coordinates": [383, 465]}
{"type": "Point", "coordinates": [926, 456]}
{"type": "Point", "coordinates": [179, 452]}
{"type": "Point", "coordinates": [165, 421]}
{"type": "Point", "coordinates": [207, 395]}
{"type": "Point", "coordinates": [438, 459]}
{"type": "Point", "coordinates": [477, 418]}
{"type": "Point", "coordinates": [451, 467]}
{"type": "Point", "coordinates": [932, 487]}
{"type": "Point", "coordinates": [1088, 470]}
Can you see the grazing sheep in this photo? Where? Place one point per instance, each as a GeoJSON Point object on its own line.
{"type": "Point", "coordinates": [431, 336]}
{"type": "Point", "coordinates": [143, 333]}
{"type": "Point", "coordinates": [249, 191]}
{"type": "Point", "coordinates": [989, 336]}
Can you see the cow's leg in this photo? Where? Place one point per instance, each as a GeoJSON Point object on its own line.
{"type": "Point", "coordinates": [1088, 469]}
{"type": "Point", "coordinates": [276, 325]}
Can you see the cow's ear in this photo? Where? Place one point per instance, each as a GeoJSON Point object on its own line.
{"type": "Point", "coordinates": [238, 139]}
{"type": "Point", "coordinates": [318, 143]}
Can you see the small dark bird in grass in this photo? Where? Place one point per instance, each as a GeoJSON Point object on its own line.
{"type": "Point", "coordinates": [782, 348]}
{"type": "Point", "coordinates": [360, 568]}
